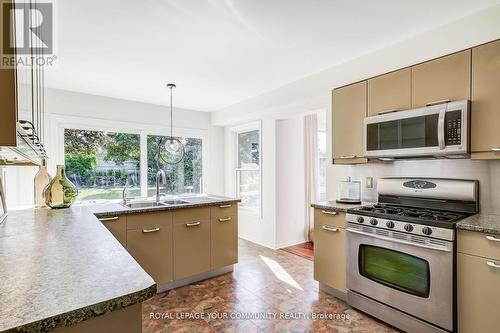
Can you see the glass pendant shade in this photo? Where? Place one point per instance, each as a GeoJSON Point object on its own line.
{"type": "Point", "coordinates": [173, 148]}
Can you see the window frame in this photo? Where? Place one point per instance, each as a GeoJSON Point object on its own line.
{"type": "Point", "coordinates": [58, 123]}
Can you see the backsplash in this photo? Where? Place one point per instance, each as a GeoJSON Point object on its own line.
{"type": "Point", "coordinates": [487, 172]}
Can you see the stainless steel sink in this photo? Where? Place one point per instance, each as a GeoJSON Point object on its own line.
{"type": "Point", "coordinates": [144, 204]}
{"type": "Point", "coordinates": [174, 202]}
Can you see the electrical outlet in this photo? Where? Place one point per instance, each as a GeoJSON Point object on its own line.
{"type": "Point", "coordinates": [369, 182]}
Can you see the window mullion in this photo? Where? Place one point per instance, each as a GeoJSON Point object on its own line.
{"type": "Point", "coordinates": [144, 163]}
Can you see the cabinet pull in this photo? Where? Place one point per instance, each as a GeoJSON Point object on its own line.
{"type": "Point", "coordinates": [492, 264]}
{"type": "Point", "coordinates": [494, 239]}
{"type": "Point", "coordinates": [107, 219]}
{"type": "Point", "coordinates": [495, 149]}
{"type": "Point", "coordinates": [194, 224]}
{"type": "Point", "coordinates": [328, 212]}
{"type": "Point", "coordinates": [225, 206]}
{"type": "Point", "coordinates": [328, 228]}
{"type": "Point", "coordinates": [347, 157]}
{"type": "Point", "coordinates": [387, 111]}
{"type": "Point", "coordinates": [226, 219]}
{"type": "Point", "coordinates": [146, 231]}
{"type": "Point", "coordinates": [438, 102]}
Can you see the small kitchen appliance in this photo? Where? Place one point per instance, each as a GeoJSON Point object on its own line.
{"type": "Point", "coordinates": [401, 259]}
{"type": "Point", "coordinates": [349, 191]}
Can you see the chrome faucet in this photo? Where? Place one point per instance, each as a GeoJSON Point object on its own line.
{"type": "Point", "coordinates": [160, 177]}
{"type": "Point", "coordinates": [124, 193]}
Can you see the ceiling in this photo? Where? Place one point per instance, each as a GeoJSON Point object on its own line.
{"type": "Point", "coordinates": [220, 52]}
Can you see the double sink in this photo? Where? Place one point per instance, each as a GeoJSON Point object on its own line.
{"type": "Point", "coordinates": [151, 204]}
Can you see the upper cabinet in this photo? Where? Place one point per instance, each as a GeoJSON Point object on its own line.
{"type": "Point", "coordinates": [443, 79]}
{"type": "Point", "coordinates": [349, 106]}
{"type": "Point", "coordinates": [485, 114]}
{"type": "Point", "coordinates": [389, 92]}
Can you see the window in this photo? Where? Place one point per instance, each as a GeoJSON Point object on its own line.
{"type": "Point", "coordinates": [101, 164]}
{"type": "Point", "coordinates": [182, 178]}
{"type": "Point", "coordinates": [248, 184]}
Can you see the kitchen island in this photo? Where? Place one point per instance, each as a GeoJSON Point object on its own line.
{"type": "Point", "coordinates": [61, 269]}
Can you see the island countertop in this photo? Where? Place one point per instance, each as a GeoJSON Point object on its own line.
{"type": "Point", "coordinates": [60, 267]}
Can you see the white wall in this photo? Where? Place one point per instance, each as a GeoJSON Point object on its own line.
{"type": "Point", "coordinates": [290, 182]}
{"type": "Point", "coordinates": [78, 107]}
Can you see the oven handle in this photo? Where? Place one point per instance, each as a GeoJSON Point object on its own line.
{"type": "Point", "coordinates": [394, 240]}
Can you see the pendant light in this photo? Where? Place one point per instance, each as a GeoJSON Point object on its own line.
{"type": "Point", "coordinates": [174, 149]}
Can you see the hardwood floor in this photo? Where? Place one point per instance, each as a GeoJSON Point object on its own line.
{"type": "Point", "coordinates": [268, 291]}
{"type": "Point", "coordinates": [304, 250]}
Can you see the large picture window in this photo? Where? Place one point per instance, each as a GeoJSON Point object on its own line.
{"type": "Point", "coordinates": [248, 183]}
{"type": "Point", "coordinates": [101, 164]}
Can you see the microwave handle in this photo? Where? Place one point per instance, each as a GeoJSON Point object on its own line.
{"type": "Point", "coordinates": [441, 124]}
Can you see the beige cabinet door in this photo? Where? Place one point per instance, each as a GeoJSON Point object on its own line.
{"type": "Point", "coordinates": [224, 245]}
{"type": "Point", "coordinates": [349, 105]}
{"type": "Point", "coordinates": [446, 78]}
{"type": "Point", "coordinates": [478, 294]}
{"type": "Point", "coordinates": [117, 225]}
{"type": "Point", "coordinates": [151, 247]}
{"type": "Point", "coordinates": [191, 247]}
{"type": "Point", "coordinates": [485, 109]}
{"type": "Point", "coordinates": [389, 92]}
{"type": "Point", "coordinates": [330, 255]}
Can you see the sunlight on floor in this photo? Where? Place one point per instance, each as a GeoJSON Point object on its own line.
{"type": "Point", "coordinates": [280, 272]}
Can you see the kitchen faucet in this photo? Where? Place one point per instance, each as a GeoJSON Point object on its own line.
{"type": "Point", "coordinates": [124, 192]}
{"type": "Point", "coordinates": [160, 177]}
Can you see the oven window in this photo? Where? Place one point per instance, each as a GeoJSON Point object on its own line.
{"type": "Point", "coordinates": [395, 269]}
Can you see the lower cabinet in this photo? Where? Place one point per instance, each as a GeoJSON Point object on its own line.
{"type": "Point", "coordinates": [117, 225]}
{"type": "Point", "coordinates": [330, 249]}
{"type": "Point", "coordinates": [149, 241]}
{"type": "Point", "coordinates": [478, 282]}
{"type": "Point", "coordinates": [224, 248]}
{"type": "Point", "coordinates": [191, 247]}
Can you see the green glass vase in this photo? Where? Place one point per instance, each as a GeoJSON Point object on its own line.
{"type": "Point", "coordinates": [61, 192]}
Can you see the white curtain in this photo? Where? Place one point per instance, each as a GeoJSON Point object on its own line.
{"type": "Point", "coordinates": [311, 170]}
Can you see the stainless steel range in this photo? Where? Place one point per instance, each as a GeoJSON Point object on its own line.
{"type": "Point", "coordinates": [401, 252]}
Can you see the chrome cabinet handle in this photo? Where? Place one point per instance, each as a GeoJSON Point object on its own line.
{"type": "Point", "coordinates": [347, 157]}
{"type": "Point", "coordinates": [494, 239]}
{"type": "Point", "coordinates": [194, 224]}
{"type": "Point", "coordinates": [146, 231]}
{"type": "Point", "coordinates": [227, 219]}
{"type": "Point", "coordinates": [328, 228]}
{"type": "Point", "coordinates": [492, 264]}
{"type": "Point", "coordinates": [442, 101]}
{"type": "Point", "coordinates": [495, 149]}
{"type": "Point", "coordinates": [106, 219]}
{"type": "Point", "coordinates": [225, 206]}
{"type": "Point", "coordinates": [328, 212]}
{"type": "Point", "coordinates": [387, 111]}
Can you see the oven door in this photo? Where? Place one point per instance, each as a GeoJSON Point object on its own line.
{"type": "Point", "coordinates": [403, 271]}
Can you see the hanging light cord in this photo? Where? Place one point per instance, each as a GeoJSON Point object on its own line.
{"type": "Point", "coordinates": [171, 114]}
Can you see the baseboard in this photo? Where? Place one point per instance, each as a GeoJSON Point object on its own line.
{"type": "Point", "coordinates": [292, 243]}
{"type": "Point", "coordinates": [192, 279]}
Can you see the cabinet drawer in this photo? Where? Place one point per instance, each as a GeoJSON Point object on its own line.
{"type": "Point", "coordinates": [224, 246]}
{"type": "Point", "coordinates": [117, 225]}
{"type": "Point", "coordinates": [191, 214]}
{"type": "Point", "coordinates": [152, 249]}
{"type": "Point", "coordinates": [149, 220]}
{"type": "Point", "coordinates": [478, 294]}
{"type": "Point", "coordinates": [330, 256]}
{"type": "Point", "coordinates": [329, 217]}
{"type": "Point", "coordinates": [224, 210]}
{"type": "Point", "coordinates": [191, 248]}
{"type": "Point", "coordinates": [479, 244]}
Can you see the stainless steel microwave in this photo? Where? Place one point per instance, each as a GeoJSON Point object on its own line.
{"type": "Point", "coordinates": [437, 131]}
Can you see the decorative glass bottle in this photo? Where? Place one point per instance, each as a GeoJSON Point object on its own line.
{"type": "Point", "coordinates": [60, 193]}
{"type": "Point", "coordinates": [42, 179]}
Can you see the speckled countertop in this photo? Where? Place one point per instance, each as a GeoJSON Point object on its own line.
{"type": "Point", "coordinates": [337, 206]}
{"type": "Point", "coordinates": [60, 267]}
{"type": "Point", "coordinates": [482, 223]}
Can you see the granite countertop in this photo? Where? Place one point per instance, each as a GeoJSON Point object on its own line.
{"type": "Point", "coordinates": [337, 206]}
{"type": "Point", "coordinates": [482, 223]}
{"type": "Point", "coordinates": [60, 267]}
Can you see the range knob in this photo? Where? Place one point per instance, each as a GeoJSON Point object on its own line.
{"type": "Point", "coordinates": [373, 221]}
{"type": "Point", "coordinates": [408, 227]}
{"type": "Point", "coordinates": [426, 231]}
{"type": "Point", "coordinates": [360, 219]}
{"type": "Point", "coordinates": [389, 224]}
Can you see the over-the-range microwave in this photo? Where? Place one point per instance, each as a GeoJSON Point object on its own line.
{"type": "Point", "coordinates": [436, 131]}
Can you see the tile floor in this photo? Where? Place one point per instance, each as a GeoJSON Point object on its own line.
{"type": "Point", "coordinates": [304, 250]}
{"type": "Point", "coordinates": [264, 281]}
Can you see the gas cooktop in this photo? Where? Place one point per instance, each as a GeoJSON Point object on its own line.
{"type": "Point", "coordinates": [433, 217]}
